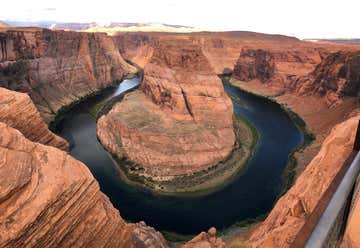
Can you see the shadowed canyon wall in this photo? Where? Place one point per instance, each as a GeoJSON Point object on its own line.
{"type": "Point", "coordinates": [57, 68]}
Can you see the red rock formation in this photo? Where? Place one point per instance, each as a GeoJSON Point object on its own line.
{"type": "Point", "coordinates": [289, 214]}
{"type": "Point", "coordinates": [275, 66]}
{"type": "Point", "coordinates": [336, 77]}
{"type": "Point", "coordinates": [204, 240]}
{"type": "Point", "coordinates": [49, 199]}
{"type": "Point", "coordinates": [58, 67]}
{"type": "Point", "coordinates": [18, 111]}
{"type": "Point", "coordinates": [180, 123]}
{"type": "Point", "coordinates": [253, 64]}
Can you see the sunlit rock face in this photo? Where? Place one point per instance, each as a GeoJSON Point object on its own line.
{"type": "Point", "coordinates": [179, 122]}
{"type": "Point", "coordinates": [57, 68]}
{"type": "Point", "coordinates": [290, 212]}
{"type": "Point", "coordinates": [335, 78]}
{"type": "Point", "coordinates": [18, 111]}
{"type": "Point", "coordinates": [49, 199]}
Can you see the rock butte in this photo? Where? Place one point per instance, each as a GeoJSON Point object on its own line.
{"type": "Point", "coordinates": [57, 68]}
{"type": "Point", "coordinates": [18, 111]}
{"type": "Point", "coordinates": [180, 122]}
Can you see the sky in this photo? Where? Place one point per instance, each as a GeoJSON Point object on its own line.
{"type": "Point", "coordinates": [300, 18]}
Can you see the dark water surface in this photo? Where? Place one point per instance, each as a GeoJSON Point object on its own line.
{"type": "Point", "coordinates": [251, 194]}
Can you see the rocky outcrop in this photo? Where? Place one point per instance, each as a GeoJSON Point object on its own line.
{"type": "Point", "coordinates": [57, 68]}
{"type": "Point", "coordinates": [18, 111]}
{"type": "Point", "coordinates": [336, 77]}
{"type": "Point", "coordinates": [253, 64]}
{"type": "Point", "coordinates": [49, 199]}
{"type": "Point", "coordinates": [204, 240]}
{"type": "Point", "coordinates": [290, 212]}
{"type": "Point", "coordinates": [179, 123]}
{"type": "Point", "coordinates": [275, 66]}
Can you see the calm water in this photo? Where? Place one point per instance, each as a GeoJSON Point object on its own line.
{"type": "Point", "coordinates": [252, 193]}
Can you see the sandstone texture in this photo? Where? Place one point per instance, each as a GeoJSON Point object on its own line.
{"type": "Point", "coordinates": [205, 240]}
{"type": "Point", "coordinates": [57, 68]}
{"type": "Point", "coordinates": [18, 111]}
{"type": "Point", "coordinates": [179, 122]}
{"type": "Point", "coordinates": [49, 199]}
{"type": "Point", "coordinates": [289, 214]}
{"type": "Point", "coordinates": [336, 77]}
{"type": "Point", "coordinates": [352, 233]}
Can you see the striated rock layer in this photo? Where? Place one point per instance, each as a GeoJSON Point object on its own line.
{"type": "Point", "coordinates": [290, 212]}
{"type": "Point", "coordinates": [336, 77]}
{"type": "Point", "coordinates": [49, 199]}
{"type": "Point", "coordinates": [179, 123]}
{"type": "Point", "coordinates": [57, 68]}
{"type": "Point", "coordinates": [18, 111]}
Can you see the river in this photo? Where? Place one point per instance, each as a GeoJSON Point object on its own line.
{"type": "Point", "coordinates": [252, 193]}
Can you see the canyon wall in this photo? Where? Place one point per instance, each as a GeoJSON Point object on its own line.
{"type": "Point", "coordinates": [18, 111]}
{"type": "Point", "coordinates": [49, 199]}
{"type": "Point", "coordinates": [290, 212]}
{"type": "Point", "coordinates": [221, 53]}
{"type": "Point", "coordinates": [274, 65]}
{"type": "Point", "coordinates": [335, 78]}
{"type": "Point", "coordinates": [179, 122]}
{"type": "Point", "coordinates": [57, 68]}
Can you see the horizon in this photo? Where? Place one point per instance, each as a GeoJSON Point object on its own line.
{"type": "Point", "coordinates": [304, 20]}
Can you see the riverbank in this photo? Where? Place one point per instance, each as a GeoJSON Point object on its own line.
{"type": "Point", "coordinates": [290, 172]}
{"type": "Point", "coordinates": [60, 114]}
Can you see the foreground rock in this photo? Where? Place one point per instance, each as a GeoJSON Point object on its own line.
{"type": "Point", "coordinates": [57, 68]}
{"type": "Point", "coordinates": [205, 240]}
{"type": "Point", "coordinates": [49, 199]}
{"type": "Point", "coordinates": [18, 111]}
{"type": "Point", "coordinates": [179, 123]}
{"type": "Point", "coordinates": [289, 214]}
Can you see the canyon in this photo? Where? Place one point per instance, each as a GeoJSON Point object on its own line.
{"type": "Point", "coordinates": [57, 68]}
{"type": "Point", "coordinates": [179, 122]}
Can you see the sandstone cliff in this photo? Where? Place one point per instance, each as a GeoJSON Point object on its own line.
{"type": "Point", "coordinates": [336, 77]}
{"type": "Point", "coordinates": [275, 66]}
{"type": "Point", "coordinates": [18, 111]}
{"type": "Point", "coordinates": [49, 199]}
{"type": "Point", "coordinates": [58, 67]}
{"type": "Point", "coordinates": [289, 214]}
{"type": "Point", "coordinates": [179, 123]}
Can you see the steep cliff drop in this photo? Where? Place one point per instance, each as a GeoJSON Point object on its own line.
{"type": "Point", "coordinates": [57, 68]}
{"type": "Point", "coordinates": [180, 122]}
{"type": "Point", "coordinates": [335, 78]}
{"type": "Point", "coordinates": [290, 212]}
{"type": "Point", "coordinates": [18, 111]}
{"type": "Point", "coordinates": [49, 199]}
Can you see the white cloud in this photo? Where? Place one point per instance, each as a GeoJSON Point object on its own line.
{"type": "Point", "coordinates": [303, 18]}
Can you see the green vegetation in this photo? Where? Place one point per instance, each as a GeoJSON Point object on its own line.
{"type": "Point", "coordinates": [234, 98]}
{"type": "Point", "coordinates": [176, 237]}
